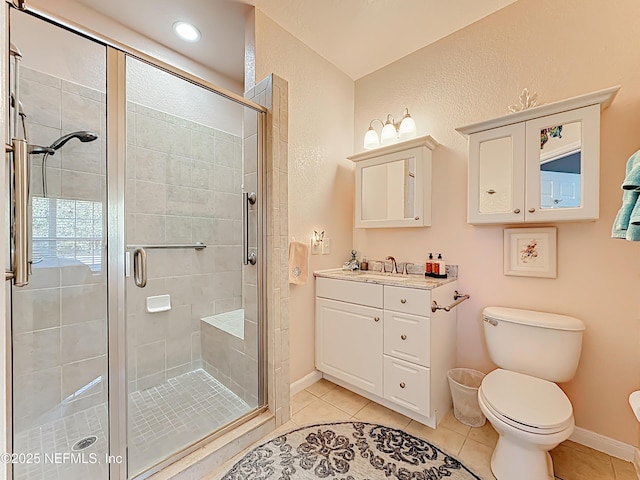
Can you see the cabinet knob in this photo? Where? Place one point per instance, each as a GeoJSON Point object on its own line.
{"type": "Point", "coordinates": [491, 191]}
{"type": "Point", "coordinates": [376, 319]}
{"type": "Point", "coordinates": [402, 385]}
{"type": "Point", "coordinates": [403, 337]}
{"type": "Point", "coordinates": [416, 218]}
{"type": "Point", "coordinates": [517, 210]}
{"type": "Point", "coordinates": [403, 300]}
{"type": "Point", "coordinates": [531, 210]}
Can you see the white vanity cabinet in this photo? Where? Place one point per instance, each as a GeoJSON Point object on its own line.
{"type": "Point", "coordinates": [353, 337]}
{"type": "Point", "coordinates": [537, 165]}
{"type": "Point", "coordinates": [384, 342]}
{"type": "Point", "coordinates": [407, 348]}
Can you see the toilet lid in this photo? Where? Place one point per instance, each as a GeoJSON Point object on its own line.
{"type": "Point", "coordinates": [533, 404]}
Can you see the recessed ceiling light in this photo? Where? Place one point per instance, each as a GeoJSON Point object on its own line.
{"type": "Point", "coordinates": [186, 31]}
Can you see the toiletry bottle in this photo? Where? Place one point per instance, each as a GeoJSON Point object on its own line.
{"type": "Point", "coordinates": [364, 265]}
{"type": "Point", "coordinates": [428, 267]}
{"type": "Point", "coordinates": [442, 268]}
{"type": "Point", "coordinates": [435, 268]}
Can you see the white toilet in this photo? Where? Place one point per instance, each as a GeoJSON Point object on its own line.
{"type": "Point", "coordinates": [529, 411]}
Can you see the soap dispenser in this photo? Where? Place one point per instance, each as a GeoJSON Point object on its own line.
{"type": "Point", "coordinates": [428, 267]}
{"type": "Point", "coordinates": [441, 267]}
{"type": "Point", "coordinates": [364, 265]}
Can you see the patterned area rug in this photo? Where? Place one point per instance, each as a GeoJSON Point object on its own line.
{"type": "Point", "coordinates": [348, 451]}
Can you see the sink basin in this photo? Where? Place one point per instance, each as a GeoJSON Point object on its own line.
{"type": "Point", "coordinates": [411, 280]}
{"type": "Point", "coordinates": [385, 276]}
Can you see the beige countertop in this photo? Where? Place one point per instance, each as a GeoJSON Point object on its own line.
{"type": "Point", "coordinates": [368, 276]}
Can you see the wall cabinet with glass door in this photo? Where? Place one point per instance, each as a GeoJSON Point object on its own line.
{"type": "Point", "coordinates": [537, 165]}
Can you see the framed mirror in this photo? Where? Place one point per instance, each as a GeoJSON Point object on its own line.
{"type": "Point", "coordinates": [563, 160]}
{"type": "Point", "coordinates": [389, 190]}
{"type": "Point", "coordinates": [561, 165]}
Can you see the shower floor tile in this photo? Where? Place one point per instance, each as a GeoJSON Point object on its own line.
{"type": "Point", "coordinates": [162, 420]}
{"type": "Point", "coordinates": [173, 415]}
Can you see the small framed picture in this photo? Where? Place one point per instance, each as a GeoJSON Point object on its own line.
{"type": "Point", "coordinates": [530, 252]}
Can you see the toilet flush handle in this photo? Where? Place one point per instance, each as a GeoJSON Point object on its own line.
{"type": "Point", "coordinates": [491, 321]}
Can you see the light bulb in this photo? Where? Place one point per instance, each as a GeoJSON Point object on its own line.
{"type": "Point", "coordinates": [389, 133]}
{"type": "Point", "coordinates": [371, 139]}
{"type": "Point", "coordinates": [407, 127]}
{"type": "Point", "coordinates": [186, 31]}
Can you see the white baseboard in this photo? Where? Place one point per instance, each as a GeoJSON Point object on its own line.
{"type": "Point", "coordinates": [606, 445]}
{"type": "Point", "coordinates": [305, 382]}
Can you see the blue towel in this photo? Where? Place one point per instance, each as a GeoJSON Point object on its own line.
{"type": "Point", "coordinates": [627, 222]}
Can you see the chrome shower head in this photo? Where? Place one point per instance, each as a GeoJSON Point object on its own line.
{"type": "Point", "coordinates": [83, 135]}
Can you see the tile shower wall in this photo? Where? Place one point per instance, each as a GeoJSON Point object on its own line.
{"type": "Point", "coordinates": [56, 371]}
{"type": "Point", "coordinates": [183, 186]}
{"type": "Point", "coordinates": [273, 93]}
{"type": "Point", "coordinates": [231, 354]}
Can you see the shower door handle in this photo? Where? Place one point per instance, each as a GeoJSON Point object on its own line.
{"type": "Point", "coordinates": [140, 267]}
{"type": "Point", "coordinates": [20, 257]}
{"type": "Point", "coordinates": [247, 199]}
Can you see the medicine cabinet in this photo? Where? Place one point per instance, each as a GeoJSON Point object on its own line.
{"type": "Point", "coordinates": [537, 165]}
{"type": "Point", "coordinates": [393, 185]}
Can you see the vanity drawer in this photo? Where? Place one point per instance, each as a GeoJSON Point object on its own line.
{"type": "Point", "coordinates": [407, 337]}
{"type": "Point", "coordinates": [369, 294]}
{"type": "Point", "coordinates": [407, 384]}
{"type": "Point", "coordinates": [407, 300]}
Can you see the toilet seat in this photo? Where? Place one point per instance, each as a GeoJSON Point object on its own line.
{"type": "Point", "coordinates": [526, 403]}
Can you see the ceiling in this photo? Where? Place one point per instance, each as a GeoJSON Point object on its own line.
{"type": "Point", "coordinates": [357, 36]}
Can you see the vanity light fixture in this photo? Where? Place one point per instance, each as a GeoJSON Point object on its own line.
{"type": "Point", "coordinates": [186, 31]}
{"type": "Point", "coordinates": [391, 131]}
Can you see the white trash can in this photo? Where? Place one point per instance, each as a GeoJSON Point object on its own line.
{"type": "Point", "coordinates": [464, 384]}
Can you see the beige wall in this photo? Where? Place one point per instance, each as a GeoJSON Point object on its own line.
{"type": "Point", "coordinates": [320, 177]}
{"type": "Point", "coordinates": [558, 49]}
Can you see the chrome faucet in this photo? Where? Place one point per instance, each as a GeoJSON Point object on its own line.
{"type": "Point", "coordinates": [394, 266]}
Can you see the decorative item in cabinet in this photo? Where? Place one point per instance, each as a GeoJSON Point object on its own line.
{"type": "Point", "coordinates": [393, 185]}
{"type": "Point", "coordinates": [540, 164]}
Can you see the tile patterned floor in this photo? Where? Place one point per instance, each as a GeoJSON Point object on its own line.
{"type": "Point", "coordinates": [164, 419]}
{"type": "Point", "coordinates": [326, 402]}
{"type": "Point", "coordinates": [176, 413]}
{"type": "Point", "coordinates": [40, 444]}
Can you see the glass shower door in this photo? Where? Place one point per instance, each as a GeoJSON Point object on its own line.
{"type": "Point", "coordinates": [191, 206]}
{"type": "Point", "coordinates": [59, 320]}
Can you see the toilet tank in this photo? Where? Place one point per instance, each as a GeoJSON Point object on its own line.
{"type": "Point", "coordinates": [540, 344]}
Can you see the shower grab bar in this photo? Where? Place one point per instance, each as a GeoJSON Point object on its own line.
{"type": "Point", "coordinates": [247, 199]}
{"type": "Point", "coordinates": [140, 267]}
{"type": "Point", "coordinates": [20, 260]}
{"type": "Point", "coordinates": [458, 297]}
{"type": "Point", "coordinates": [197, 246]}
{"type": "Point", "coordinates": [17, 58]}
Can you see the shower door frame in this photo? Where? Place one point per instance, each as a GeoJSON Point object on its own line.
{"type": "Point", "coordinates": [116, 54]}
